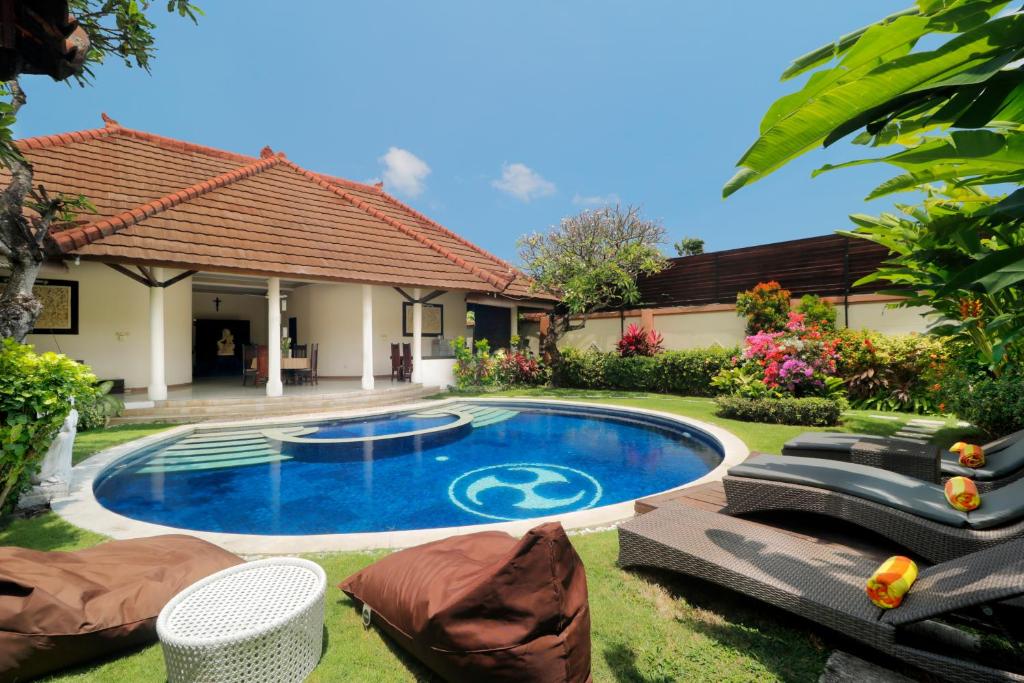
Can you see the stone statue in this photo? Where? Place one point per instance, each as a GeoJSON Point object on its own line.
{"type": "Point", "coordinates": [226, 345]}
{"type": "Point", "coordinates": [54, 475]}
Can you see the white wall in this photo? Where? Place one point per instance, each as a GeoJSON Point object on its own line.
{"type": "Point", "coordinates": [331, 316]}
{"type": "Point", "coordinates": [724, 328]}
{"type": "Point", "coordinates": [236, 307]}
{"type": "Point", "coordinates": [113, 325]}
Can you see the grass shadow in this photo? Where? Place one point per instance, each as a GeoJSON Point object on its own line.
{"type": "Point", "coordinates": [622, 661]}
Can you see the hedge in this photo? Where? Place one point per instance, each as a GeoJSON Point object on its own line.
{"type": "Point", "coordinates": [994, 405]}
{"type": "Point", "coordinates": [812, 412]}
{"type": "Point", "coordinates": [687, 373]}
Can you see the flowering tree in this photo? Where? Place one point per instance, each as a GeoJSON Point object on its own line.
{"type": "Point", "coordinates": [592, 261]}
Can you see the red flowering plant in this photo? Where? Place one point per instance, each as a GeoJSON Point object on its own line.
{"type": "Point", "coordinates": [640, 342]}
{"type": "Point", "coordinates": [798, 361]}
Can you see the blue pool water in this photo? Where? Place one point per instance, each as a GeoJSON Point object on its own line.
{"type": "Point", "coordinates": [510, 461]}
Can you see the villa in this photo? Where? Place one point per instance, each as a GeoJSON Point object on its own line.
{"type": "Point", "coordinates": [189, 242]}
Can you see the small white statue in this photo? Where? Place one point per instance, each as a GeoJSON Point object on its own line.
{"type": "Point", "coordinates": [56, 467]}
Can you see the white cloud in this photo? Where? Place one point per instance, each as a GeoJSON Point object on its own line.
{"type": "Point", "coordinates": [404, 171]}
{"type": "Point", "coordinates": [523, 183]}
{"type": "Point", "coordinates": [609, 199]}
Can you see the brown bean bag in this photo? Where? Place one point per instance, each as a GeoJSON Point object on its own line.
{"type": "Point", "coordinates": [58, 609]}
{"type": "Point", "coordinates": [485, 607]}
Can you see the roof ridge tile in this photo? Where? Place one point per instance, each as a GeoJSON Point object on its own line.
{"type": "Point", "coordinates": [79, 236]}
{"type": "Point", "coordinates": [42, 141]}
{"type": "Point", "coordinates": [488, 277]}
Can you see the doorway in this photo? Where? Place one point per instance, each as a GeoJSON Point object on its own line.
{"type": "Point", "coordinates": [218, 347]}
{"type": "Point", "coordinates": [493, 323]}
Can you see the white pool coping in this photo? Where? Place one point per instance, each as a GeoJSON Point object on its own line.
{"type": "Point", "coordinates": [81, 508]}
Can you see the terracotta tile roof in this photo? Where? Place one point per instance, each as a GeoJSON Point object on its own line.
{"type": "Point", "coordinates": [164, 201]}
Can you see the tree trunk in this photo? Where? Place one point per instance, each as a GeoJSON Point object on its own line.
{"type": "Point", "coordinates": [20, 246]}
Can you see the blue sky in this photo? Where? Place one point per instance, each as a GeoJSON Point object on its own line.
{"type": "Point", "coordinates": [499, 119]}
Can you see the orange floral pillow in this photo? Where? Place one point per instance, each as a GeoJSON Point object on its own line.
{"type": "Point", "coordinates": [962, 494]}
{"type": "Point", "coordinates": [890, 582]}
{"type": "Point", "coordinates": [970, 455]}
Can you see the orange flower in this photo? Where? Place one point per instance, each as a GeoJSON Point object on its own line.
{"type": "Point", "coordinates": [970, 308]}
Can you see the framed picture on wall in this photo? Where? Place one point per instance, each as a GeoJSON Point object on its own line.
{"type": "Point", "coordinates": [60, 306]}
{"type": "Point", "coordinates": [433, 319]}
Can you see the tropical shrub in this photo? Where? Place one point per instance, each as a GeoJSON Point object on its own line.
{"type": "Point", "coordinates": [640, 342]}
{"type": "Point", "coordinates": [902, 372]}
{"type": "Point", "coordinates": [96, 409]}
{"type": "Point", "coordinates": [817, 312]}
{"type": "Point", "coordinates": [993, 404]}
{"type": "Point", "coordinates": [473, 370]}
{"type": "Point", "coordinates": [766, 307]}
{"type": "Point", "coordinates": [809, 411]}
{"type": "Point", "coordinates": [519, 369]}
{"type": "Point", "coordinates": [797, 361]}
{"type": "Point", "coordinates": [35, 397]}
{"type": "Point", "coordinates": [687, 373]}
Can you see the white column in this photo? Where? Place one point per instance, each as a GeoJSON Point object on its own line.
{"type": "Point", "coordinates": [515, 319]}
{"type": "Point", "coordinates": [157, 378]}
{"type": "Point", "coordinates": [367, 337]}
{"type": "Point", "coordinates": [417, 337]}
{"type": "Point", "coordinates": [274, 387]}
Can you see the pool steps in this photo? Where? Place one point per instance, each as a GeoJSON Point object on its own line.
{"type": "Point", "coordinates": [482, 415]}
{"type": "Point", "coordinates": [217, 450]}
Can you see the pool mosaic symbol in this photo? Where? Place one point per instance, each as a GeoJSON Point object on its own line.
{"type": "Point", "coordinates": [523, 490]}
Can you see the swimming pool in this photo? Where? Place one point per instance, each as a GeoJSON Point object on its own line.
{"type": "Point", "coordinates": [460, 464]}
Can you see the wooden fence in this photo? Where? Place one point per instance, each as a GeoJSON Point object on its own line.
{"type": "Point", "coordinates": [827, 266]}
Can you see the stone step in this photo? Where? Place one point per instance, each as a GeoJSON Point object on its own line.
{"type": "Point", "coordinates": [221, 458]}
{"type": "Point", "coordinates": [159, 469]}
{"type": "Point", "coordinates": [172, 415]}
{"type": "Point", "coordinates": [287, 398]}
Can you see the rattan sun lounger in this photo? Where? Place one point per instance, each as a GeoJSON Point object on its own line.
{"type": "Point", "coordinates": [826, 583]}
{"type": "Point", "coordinates": [1004, 457]}
{"type": "Point", "coordinates": [911, 512]}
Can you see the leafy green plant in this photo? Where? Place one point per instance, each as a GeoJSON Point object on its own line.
{"type": "Point", "coordinates": [689, 246]}
{"type": "Point", "coordinates": [96, 408]}
{"type": "Point", "coordinates": [817, 312]}
{"type": "Point", "coordinates": [892, 372]}
{"type": "Point", "coordinates": [944, 81]}
{"type": "Point", "coordinates": [35, 397]}
{"type": "Point", "coordinates": [745, 381]}
{"type": "Point", "coordinates": [813, 412]}
{"type": "Point", "coordinates": [993, 404]}
{"type": "Point", "coordinates": [766, 307]}
{"type": "Point", "coordinates": [474, 368]}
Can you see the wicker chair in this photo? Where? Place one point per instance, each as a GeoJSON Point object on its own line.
{"type": "Point", "coordinates": [908, 511]}
{"type": "Point", "coordinates": [825, 584]}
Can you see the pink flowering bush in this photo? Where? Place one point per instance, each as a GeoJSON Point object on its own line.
{"type": "Point", "coordinates": [799, 361]}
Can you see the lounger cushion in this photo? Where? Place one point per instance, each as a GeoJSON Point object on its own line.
{"type": "Point", "coordinates": [59, 609]}
{"type": "Point", "coordinates": [1002, 458]}
{"type": "Point", "coordinates": [999, 507]}
{"type": "Point", "coordinates": [485, 606]}
{"type": "Point", "coordinates": [895, 490]}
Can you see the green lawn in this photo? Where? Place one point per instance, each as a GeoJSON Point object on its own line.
{"type": "Point", "coordinates": [90, 443]}
{"type": "Point", "coordinates": [646, 628]}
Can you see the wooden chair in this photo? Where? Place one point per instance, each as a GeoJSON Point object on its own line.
{"type": "Point", "coordinates": [407, 361]}
{"type": "Point", "coordinates": [300, 350]}
{"type": "Point", "coordinates": [309, 374]}
{"type": "Point", "coordinates": [249, 368]}
{"type": "Point", "coordinates": [262, 363]}
{"type": "Point", "coordinates": [396, 363]}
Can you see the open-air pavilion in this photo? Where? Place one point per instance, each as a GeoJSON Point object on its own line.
{"type": "Point", "coordinates": [195, 252]}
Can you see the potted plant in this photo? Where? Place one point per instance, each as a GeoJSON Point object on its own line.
{"type": "Point", "coordinates": [286, 347]}
{"type": "Point", "coordinates": [470, 318]}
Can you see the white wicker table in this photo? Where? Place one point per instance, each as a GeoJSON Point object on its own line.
{"type": "Point", "coordinates": [258, 621]}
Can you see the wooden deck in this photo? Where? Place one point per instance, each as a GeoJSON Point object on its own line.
{"type": "Point", "coordinates": [817, 529]}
